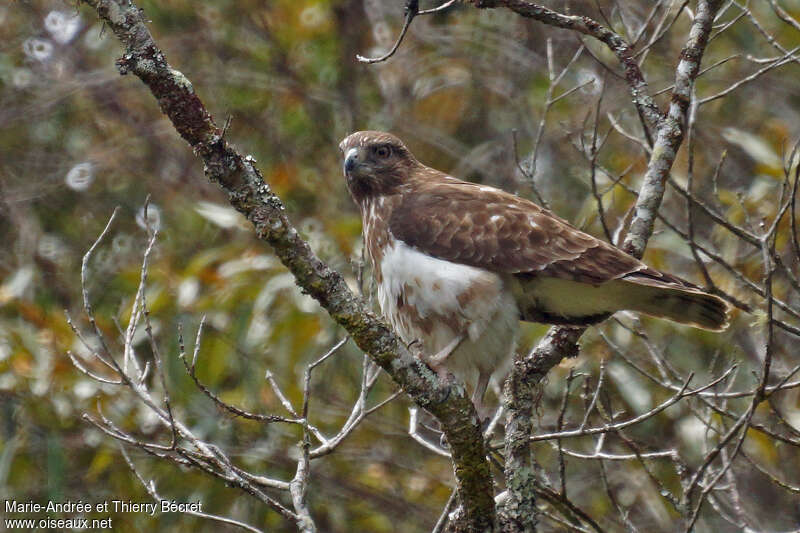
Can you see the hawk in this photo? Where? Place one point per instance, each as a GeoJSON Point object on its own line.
{"type": "Point", "coordinates": [458, 264]}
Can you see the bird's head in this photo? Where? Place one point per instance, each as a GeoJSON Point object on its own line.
{"type": "Point", "coordinates": [375, 163]}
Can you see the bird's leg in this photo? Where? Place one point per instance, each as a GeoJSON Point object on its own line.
{"type": "Point", "coordinates": [439, 358]}
{"type": "Point", "coordinates": [480, 389]}
{"type": "Point", "coordinates": [436, 361]}
{"type": "Point", "coordinates": [477, 395]}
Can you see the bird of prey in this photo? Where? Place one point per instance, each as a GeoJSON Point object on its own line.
{"type": "Point", "coordinates": [457, 264]}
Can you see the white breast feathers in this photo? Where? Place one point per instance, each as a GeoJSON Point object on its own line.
{"type": "Point", "coordinates": [435, 301]}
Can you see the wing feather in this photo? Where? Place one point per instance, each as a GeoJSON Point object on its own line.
{"type": "Point", "coordinates": [488, 228]}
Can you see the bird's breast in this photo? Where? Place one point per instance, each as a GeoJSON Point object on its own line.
{"type": "Point", "coordinates": [434, 300]}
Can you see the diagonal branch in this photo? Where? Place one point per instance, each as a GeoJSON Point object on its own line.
{"type": "Point", "coordinates": [670, 134]}
{"type": "Point", "coordinates": [239, 177]}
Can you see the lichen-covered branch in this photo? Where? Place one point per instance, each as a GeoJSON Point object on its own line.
{"type": "Point", "coordinates": [519, 509]}
{"type": "Point", "coordinates": [239, 177]}
{"type": "Point", "coordinates": [671, 132]}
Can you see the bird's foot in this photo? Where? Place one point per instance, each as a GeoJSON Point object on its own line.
{"type": "Point", "coordinates": [415, 347]}
{"type": "Point", "coordinates": [445, 377]}
{"type": "Point", "coordinates": [484, 415]}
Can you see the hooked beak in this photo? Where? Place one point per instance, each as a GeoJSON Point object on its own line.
{"type": "Point", "coordinates": [351, 160]}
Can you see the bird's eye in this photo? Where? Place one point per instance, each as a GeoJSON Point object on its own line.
{"type": "Point", "coordinates": [383, 151]}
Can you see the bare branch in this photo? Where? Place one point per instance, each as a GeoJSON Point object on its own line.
{"type": "Point", "coordinates": [618, 425]}
{"type": "Point", "coordinates": [191, 370]}
{"type": "Point", "coordinates": [80, 366]}
{"type": "Point", "coordinates": [413, 432]}
{"type": "Point", "coordinates": [151, 490]}
{"type": "Point", "coordinates": [788, 57]}
{"type": "Point", "coordinates": [621, 49]}
{"type": "Point", "coordinates": [412, 10]}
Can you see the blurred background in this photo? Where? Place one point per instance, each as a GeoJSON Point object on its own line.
{"type": "Point", "coordinates": [77, 140]}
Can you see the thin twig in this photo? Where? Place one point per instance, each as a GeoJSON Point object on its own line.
{"type": "Point", "coordinates": [412, 10]}
{"type": "Point", "coordinates": [151, 490]}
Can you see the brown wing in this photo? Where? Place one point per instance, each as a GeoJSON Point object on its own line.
{"type": "Point", "coordinates": [491, 229]}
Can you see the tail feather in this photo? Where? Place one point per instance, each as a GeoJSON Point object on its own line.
{"type": "Point", "coordinates": [683, 304]}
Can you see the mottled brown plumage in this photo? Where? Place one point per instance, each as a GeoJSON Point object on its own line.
{"type": "Point", "coordinates": [429, 235]}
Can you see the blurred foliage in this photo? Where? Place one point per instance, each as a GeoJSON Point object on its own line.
{"type": "Point", "coordinates": [77, 140]}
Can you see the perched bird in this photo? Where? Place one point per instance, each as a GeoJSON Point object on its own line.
{"type": "Point", "coordinates": [457, 264]}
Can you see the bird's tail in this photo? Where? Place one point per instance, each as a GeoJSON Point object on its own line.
{"type": "Point", "coordinates": [685, 305]}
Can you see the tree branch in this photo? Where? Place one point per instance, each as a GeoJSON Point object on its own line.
{"type": "Point", "coordinates": [238, 176]}
{"type": "Point", "coordinates": [670, 135]}
{"type": "Point", "coordinates": [644, 103]}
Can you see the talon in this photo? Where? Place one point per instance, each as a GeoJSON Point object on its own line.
{"type": "Point", "coordinates": [415, 347]}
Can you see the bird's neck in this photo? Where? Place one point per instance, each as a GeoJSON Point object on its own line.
{"type": "Point", "coordinates": [376, 212]}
